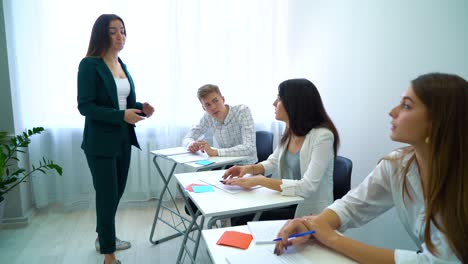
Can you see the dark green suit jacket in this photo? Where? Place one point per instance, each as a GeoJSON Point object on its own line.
{"type": "Point", "coordinates": [105, 128]}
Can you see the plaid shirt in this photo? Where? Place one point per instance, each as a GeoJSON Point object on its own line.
{"type": "Point", "coordinates": [234, 137]}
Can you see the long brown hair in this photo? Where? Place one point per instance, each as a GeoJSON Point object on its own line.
{"type": "Point", "coordinates": [100, 40]}
{"type": "Point", "coordinates": [446, 193]}
{"type": "Point", "coordinates": [305, 110]}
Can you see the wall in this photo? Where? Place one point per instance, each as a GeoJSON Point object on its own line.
{"type": "Point", "coordinates": [362, 55]}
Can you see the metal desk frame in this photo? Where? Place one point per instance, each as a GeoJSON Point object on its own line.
{"type": "Point", "coordinates": [178, 220]}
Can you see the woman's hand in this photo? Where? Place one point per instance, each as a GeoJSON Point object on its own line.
{"type": "Point", "coordinates": [324, 233]}
{"type": "Point", "coordinates": [148, 109]}
{"type": "Point", "coordinates": [131, 116]}
{"type": "Point", "coordinates": [248, 182]}
{"type": "Point", "coordinates": [293, 226]}
{"type": "Point", "coordinates": [236, 172]}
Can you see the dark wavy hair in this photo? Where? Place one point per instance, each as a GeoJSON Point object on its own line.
{"type": "Point", "coordinates": [100, 40]}
{"type": "Point", "coordinates": [305, 110]}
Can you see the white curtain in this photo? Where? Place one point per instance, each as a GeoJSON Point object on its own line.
{"type": "Point", "coordinates": [173, 47]}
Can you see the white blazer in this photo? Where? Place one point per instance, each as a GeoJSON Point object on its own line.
{"type": "Point", "coordinates": [316, 161]}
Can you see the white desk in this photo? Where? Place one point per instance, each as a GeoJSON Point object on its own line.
{"type": "Point", "coordinates": [313, 250]}
{"type": "Point", "coordinates": [219, 204]}
{"type": "Point", "coordinates": [188, 161]}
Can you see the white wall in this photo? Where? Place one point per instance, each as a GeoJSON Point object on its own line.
{"type": "Point", "coordinates": [362, 54]}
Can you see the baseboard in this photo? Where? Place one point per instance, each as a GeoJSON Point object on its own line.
{"type": "Point", "coordinates": [18, 222]}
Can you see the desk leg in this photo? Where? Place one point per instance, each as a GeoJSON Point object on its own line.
{"type": "Point", "coordinates": [192, 227]}
{"type": "Point", "coordinates": [257, 216]}
{"type": "Point", "coordinates": [160, 204]}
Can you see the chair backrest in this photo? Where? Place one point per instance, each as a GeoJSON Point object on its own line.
{"type": "Point", "coordinates": [341, 176]}
{"type": "Point", "coordinates": [264, 144]}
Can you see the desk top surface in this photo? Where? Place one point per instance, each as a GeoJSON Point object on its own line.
{"type": "Point", "coordinates": [182, 156]}
{"type": "Point", "coordinates": [312, 251]}
{"type": "Point", "coordinates": [220, 202]}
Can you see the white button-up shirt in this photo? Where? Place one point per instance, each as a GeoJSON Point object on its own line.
{"type": "Point", "coordinates": [235, 137]}
{"type": "Point", "coordinates": [382, 190]}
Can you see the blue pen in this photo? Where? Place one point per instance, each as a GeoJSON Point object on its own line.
{"type": "Point", "coordinates": [296, 235]}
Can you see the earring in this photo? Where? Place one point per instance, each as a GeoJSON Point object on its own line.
{"type": "Point", "coordinates": [427, 140]}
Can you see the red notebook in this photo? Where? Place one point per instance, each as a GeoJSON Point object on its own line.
{"type": "Point", "coordinates": [235, 239]}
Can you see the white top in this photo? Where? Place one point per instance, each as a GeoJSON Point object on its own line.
{"type": "Point", "coordinates": [316, 161]}
{"type": "Point", "coordinates": [235, 137]}
{"type": "Point", "coordinates": [382, 190]}
{"type": "Point", "coordinates": [123, 90]}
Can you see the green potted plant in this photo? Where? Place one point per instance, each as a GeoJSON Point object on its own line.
{"type": "Point", "coordinates": [10, 173]}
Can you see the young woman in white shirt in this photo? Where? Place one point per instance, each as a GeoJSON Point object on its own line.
{"type": "Point", "coordinates": [426, 182]}
{"type": "Point", "coordinates": [304, 158]}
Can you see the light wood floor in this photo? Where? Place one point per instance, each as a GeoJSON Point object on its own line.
{"type": "Point", "coordinates": [55, 237]}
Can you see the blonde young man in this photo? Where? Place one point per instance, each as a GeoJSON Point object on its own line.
{"type": "Point", "coordinates": [232, 126]}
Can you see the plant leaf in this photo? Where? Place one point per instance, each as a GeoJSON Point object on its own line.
{"type": "Point", "coordinates": [18, 172]}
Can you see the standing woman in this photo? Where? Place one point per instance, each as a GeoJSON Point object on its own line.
{"type": "Point", "coordinates": [304, 158]}
{"type": "Point", "coordinates": [106, 97]}
{"type": "Point", "coordinates": [426, 182]}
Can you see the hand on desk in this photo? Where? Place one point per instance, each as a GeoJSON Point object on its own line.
{"type": "Point", "coordinates": [236, 172]}
{"type": "Point", "coordinates": [247, 182]}
{"type": "Point", "coordinates": [203, 146]}
{"type": "Point", "coordinates": [324, 233]}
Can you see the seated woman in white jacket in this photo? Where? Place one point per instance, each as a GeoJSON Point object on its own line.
{"type": "Point", "coordinates": [426, 182]}
{"type": "Point", "coordinates": [304, 158]}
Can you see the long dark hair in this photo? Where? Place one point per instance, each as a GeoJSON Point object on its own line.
{"type": "Point", "coordinates": [305, 110]}
{"type": "Point", "coordinates": [100, 40]}
{"type": "Point", "coordinates": [446, 99]}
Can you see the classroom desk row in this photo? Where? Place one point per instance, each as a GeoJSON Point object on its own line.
{"type": "Point", "coordinates": [214, 205]}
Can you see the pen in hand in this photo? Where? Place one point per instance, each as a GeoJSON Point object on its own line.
{"type": "Point", "coordinates": [296, 235]}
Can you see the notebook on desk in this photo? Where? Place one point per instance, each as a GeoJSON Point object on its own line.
{"type": "Point", "coordinates": [264, 232]}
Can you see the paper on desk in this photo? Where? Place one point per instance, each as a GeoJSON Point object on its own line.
{"type": "Point", "coordinates": [266, 255]}
{"type": "Point", "coordinates": [189, 157]}
{"type": "Point", "coordinates": [171, 151]}
{"type": "Point", "coordinates": [214, 180]}
{"type": "Point", "coordinates": [264, 232]}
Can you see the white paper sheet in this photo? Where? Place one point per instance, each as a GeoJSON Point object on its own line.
{"type": "Point", "coordinates": [266, 255]}
{"type": "Point", "coordinates": [190, 157]}
{"type": "Point", "coordinates": [171, 151]}
{"type": "Point", "coordinates": [264, 232]}
{"type": "Point", "coordinates": [214, 180]}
